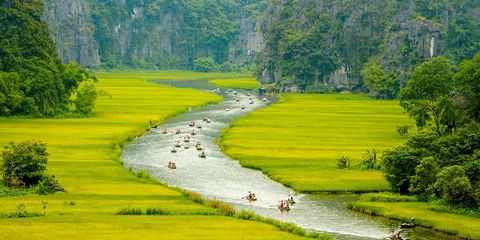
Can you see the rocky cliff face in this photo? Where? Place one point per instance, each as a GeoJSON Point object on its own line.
{"type": "Point", "coordinates": [70, 26]}
{"type": "Point", "coordinates": [137, 37]}
{"type": "Point", "coordinates": [396, 35]}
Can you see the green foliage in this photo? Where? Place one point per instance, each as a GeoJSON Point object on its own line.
{"type": "Point", "coordinates": [467, 81]}
{"type": "Point", "coordinates": [224, 208]}
{"type": "Point", "coordinates": [143, 174]}
{"type": "Point", "coordinates": [425, 176]}
{"type": "Point", "coordinates": [129, 211]}
{"type": "Point", "coordinates": [386, 197]}
{"type": "Point", "coordinates": [33, 81]}
{"type": "Point", "coordinates": [85, 99]}
{"type": "Point", "coordinates": [20, 213]}
{"type": "Point", "coordinates": [426, 96]}
{"type": "Point", "coordinates": [343, 162]}
{"type": "Point", "coordinates": [206, 64]}
{"type": "Point", "coordinates": [399, 166]}
{"type": "Point", "coordinates": [402, 130]}
{"type": "Point", "coordinates": [453, 185]}
{"type": "Point", "coordinates": [46, 185]}
{"type": "Point", "coordinates": [379, 83]}
{"type": "Point", "coordinates": [157, 211]}
{"type": "Point", "coordinates": [369, 160]}
{"type": "Point", "coordinates": [27, 160]}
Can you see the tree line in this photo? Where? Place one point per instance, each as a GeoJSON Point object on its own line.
{"type": "Point", "coordinates": [442, 160]}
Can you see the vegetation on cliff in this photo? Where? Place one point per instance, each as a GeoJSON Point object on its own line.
{"type": "Point", "coordinates": [342, 43]}
{"type": "Point", "coordinates": [33, 80]}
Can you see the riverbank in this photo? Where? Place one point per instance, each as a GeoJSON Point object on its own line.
{"type": "Point", "coordinates": [84, 157]}
{"type": "Point", "coordinates": [454, 224]}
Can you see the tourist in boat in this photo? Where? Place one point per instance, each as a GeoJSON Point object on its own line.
{"type": "Point", "coordinates": [254, 197]}
{"type": "Point", "coordinates": [282, 205]}
{"type": "Point", "coordinates": [249, 195]}
{"type": "Point", "coordinates": [203, 153]}
{"type": "Point", "coordinates": [392, 235]}
{"type": "Point", "coordinates": [413, 221]}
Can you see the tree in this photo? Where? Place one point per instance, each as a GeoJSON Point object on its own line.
{"type": "Point", "coordinates": [467, 81]}
{"type": "Point", "coordinates": [26, 160]}
{"type": "Point", "coordinates": [399, 166]}
{"type": "Point", "coordinates": [379, 83]}
{"type": "Point", "coordinates": [426, 96]}
{"type": "Point", "coordinates": [206, 64]}
{"type": "Point", "coordinates": [85, 100]}
{"type": "Point", "coordinates": [425, 176]}
{"type": "Point", "coordinates": [453, 186]}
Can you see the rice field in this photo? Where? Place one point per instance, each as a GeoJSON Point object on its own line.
{"type": "Point", "coordinates": [84, 157]}
{"type": "Point", "coordinates": [239, 83]}
{"type": "Point", "coordinates": [465, 227]}
{"type": "Point", "coordinates": [297, 141]}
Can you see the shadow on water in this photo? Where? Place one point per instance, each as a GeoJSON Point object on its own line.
{"type": "Point", "coordinates": [218, 176]}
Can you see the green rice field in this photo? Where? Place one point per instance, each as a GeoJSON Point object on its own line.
{"type": "Point", "coordinates": [462, 226]}
{"type": "Point", "coordinates": [84, 157]}
{"type": "Point", "coordinates": [298, 140]}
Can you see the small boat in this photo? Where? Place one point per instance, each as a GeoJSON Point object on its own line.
{"type": "Point", "coordinates": [284, 208]}
{"type": "Point", "coordinates": [250, 97]}
{"type": "Point", "coordinates": [202, 155]}
{"type": "Point", "coordinates": [237, 99]}
{"type": "Point", "coordinates": [234, 92]}
{"type": "Point", "coordinates": [407, 225]}
{"type": "Point", "coordinates": [199, 148]}
{"type": "Point", "coordinates": [154, 126]}
{"type": "Point", "coordinates": [264, 99]}
{"type": "Point", "coordinates": [186, 140]}
{"type": "Point", "coordinates": [187, 147]}
{"type": "Point", "coordinates": [198, 126]}
{"type": "Point", "coordinates": [243, 107]}
{"type": "Point", "coordinates": [178, 131]}
{"type": "Point", "coordinates": [205, 118]}
{"type": "Point", "coordinates": [177, 145]}
{"type": "Point", "coordinates": [251, 101]}
{"type": "Point", "coordinates": [229, 90]}
{"type": "Point", "coordinates": [164, 131]}
{"type": "Point", "coordinates": [250, 199]}
{"type": "Point", "coordinates": [227, 109]}
{"type": "Point", "coordinates": [209, 121]}
{"type": "Point", "coordinates": [174, 150]}
{"type": "Point", "coordinates": [193, 133]}
{"type": "Point", "coordinates": [192, 124]}
{"type": "Point", "coordinates": [172, 165]}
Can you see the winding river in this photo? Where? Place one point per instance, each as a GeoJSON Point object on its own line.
{"type": "Point", "coordinates": [223, 178]}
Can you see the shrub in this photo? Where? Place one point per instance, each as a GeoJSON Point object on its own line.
{"type": "Point", "coordinates": [224, 208]}
{"type": "Point", "coordinates": [20, 213]}
{"type": "Point", "coordinates": [195, 197]}
{"type": "Point", "coordinates": [343, 162]}
{"type": "Point", "coordinates": [386, 197]}
{"type": "Point", "coordinates": [157, 211]}
{"type": "Point", "coordinates": [46, 185]}
{"type": "Point", "coordinates": [143, 174]}
{"type": "Point", "coordinates": [129, 211]}
{"type": "Point", "coordinates": [26, 160]}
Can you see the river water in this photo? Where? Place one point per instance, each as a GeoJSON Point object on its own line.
{"type": "Point", "coordinates": [217, 176]}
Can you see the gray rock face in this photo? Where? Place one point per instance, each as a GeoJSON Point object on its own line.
{"type": "Point", "coordinates": [249, 43]}
{"type": "Point", "coordinates": [69, 27]}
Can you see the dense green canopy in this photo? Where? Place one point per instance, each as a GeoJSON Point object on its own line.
{"type": "Point", "coordinates": [33, 80]}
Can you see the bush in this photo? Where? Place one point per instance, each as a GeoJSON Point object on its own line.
{"type": "Point", "coordinates": [143, 174]}
{"type": "Point", "coordinates": [224, 208]}
{"type": "Point", "coordinates": [20, 213]}
{"type": "Point", "coordinates": [157, 211]}
{"type": "Point", "coordinates": [46, 185]}
{"type": "Point", "coordinates": [386, 197]}
{"type": "Point", "coordinates": [206, 64]}
{"type": "Point", "coordinates": [129, 211]}
{"type": "Point", "coordinates": [343, 162]}
{"type": "Point", "coordinates": [26, 160]}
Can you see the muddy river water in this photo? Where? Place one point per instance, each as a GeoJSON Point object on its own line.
{"type": "Point", "coordinates": [218, 176]}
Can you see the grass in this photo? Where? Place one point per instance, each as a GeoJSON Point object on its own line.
{"type": "Point", "coordinates": [241, 83]}
{"type": "Point", "coordinates": [464, 227]}
{"type": "Point", "coordinates": [298, 140]}
{"type": "Point", "coordinates": [85, 159]}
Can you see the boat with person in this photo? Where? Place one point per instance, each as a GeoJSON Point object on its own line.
{"type": "Point", "coordinates": [172, 165]}
{"type": "Point", "coordinates": [173, 150]}
{"type": "Point", "coordinates": [202, 155]}
{"type": "Point", "coordinates": [242, 107]}
{"type": "Point", "coordinates": [164, 131]}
